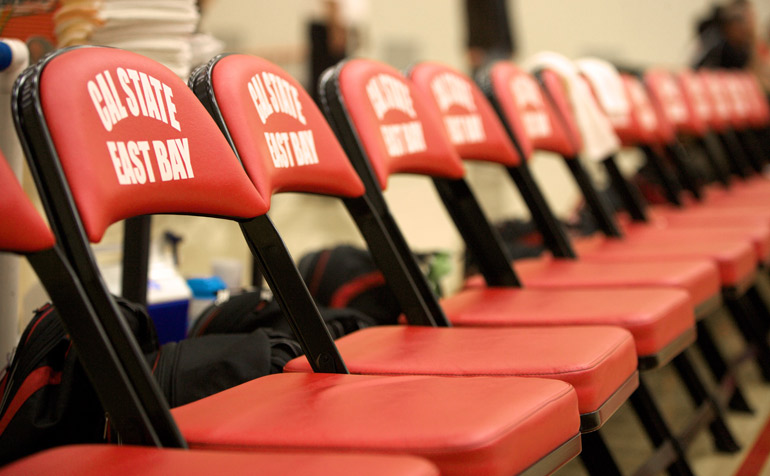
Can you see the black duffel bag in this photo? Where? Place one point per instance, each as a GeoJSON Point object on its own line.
{"type": "Point", "coordinates": [47, 399]}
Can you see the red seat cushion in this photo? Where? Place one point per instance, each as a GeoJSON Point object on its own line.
{"type": "Point", "coordinates": [655, 317]}
{"type": "Point", "coordinates": [21, 227]}
{"type": "Point", "coordinates": [750, 217]}
{"type": "Point", "coordinates": [754, 183]}
{"type": "Point", "coordinates": [475, 425]}
{"type": "Point", "coordinates": [700, 278]}
{"type": "Point", "coordinates": [757, 235]}
{"type": "Point", "coordinates": [597, 361]}
{"type": "Point", "coordinates": [743, 193]}
{"type": "Point", "coordinates": [98, 460]}
{"type": "Point", "coordinates": [736, 260]}
{"type": "Point", "coordinates": [695, 218]}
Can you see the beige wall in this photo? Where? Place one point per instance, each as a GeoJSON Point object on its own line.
{"type": "Point", "coordinates": [402, 31]}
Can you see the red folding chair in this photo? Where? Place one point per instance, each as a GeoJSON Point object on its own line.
{"type": "Point", "coordinates": [415, 349]}
{"type": "Point", "coordinates": [735, 258]}
{"type": "Point", "coordinates": [692, 114]}
{"type": "Point", "coordinates": [148, 146]}
{"type": "Point", "coordinates": [547, 116]}
{"type": "Point", "coordinates": [632, 130]}
{"type": "Point", "coordinates": [96, 460]}
{"type": "Point", "coordinates": [740, 294]}
{"type": "Point", "coordinates": [23, 231]}
{"type": "Point", "coordinates": [359, 96]}
{"type": "Point", "coordinates": [478, 135]}
{"type": "Point", "coordinates": [699, 277]}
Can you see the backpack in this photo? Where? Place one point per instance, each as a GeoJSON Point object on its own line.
{"type": "Point", "coordinates": [48, 400]}
{"type": "Point", "coordinates": [252, 310]}
{"type": "Point", "coordinates": [346, 277]}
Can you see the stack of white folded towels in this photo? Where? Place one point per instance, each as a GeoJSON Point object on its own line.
{"type": "Point", "coordinates": [159, 29]}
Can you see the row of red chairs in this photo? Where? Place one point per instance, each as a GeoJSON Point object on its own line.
{"type": "Point", "coordinates": [543, 366]}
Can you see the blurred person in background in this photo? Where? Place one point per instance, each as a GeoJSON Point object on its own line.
{"type": "Point", "coordinates": [489, 33]}
{"type": "Point", "coordinates": [333, 35]}
{"type": "Point", "coordinates": [729, 38]}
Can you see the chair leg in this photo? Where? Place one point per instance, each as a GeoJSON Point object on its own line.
{"type": "Point", "coordinates": [657, 429]}
{"type": "Point", "coordinates": [760, 305]}
{"type": "Point", "coordinates": [718, 367]}
{"type": "Point", "coordinates": [723, 437]}
{"type": "Point", "coordinates": [745, 318]}
{"type": "Point", "coordinates": [596, 457]}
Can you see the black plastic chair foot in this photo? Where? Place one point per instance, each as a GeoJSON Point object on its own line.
{"type": "Point", "coordinates": [724, 441]}
{"type": "Point", "coordinates": [738, 403]}
{"type": "Point", "coordinates": [596, 457]}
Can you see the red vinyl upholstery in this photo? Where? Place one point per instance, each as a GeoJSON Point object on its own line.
{"type": "Point", "coordinates": [740, 216]}
{"type": "Point", "coordinates": [761, 114]}
{"type": "Point", "coordinates": [392, 125]}
{"type": "Point", "coordinates": [518, 421]}
{"type": "Point", "coordinates": [644, 118]}
{"type": "Point", "coordinates": [688, 104]}
{"type": "Point", "coordinates": [553, 84]}
{"type": "Point", "coordinates": [662, 129]}
{"type": "Point", "coordinates": [469, 120]}
{"type": "Point", "coordinates": [146, 144]}
{"type": "Point", "coordinates": [521, 100]}
{"type": "Point", "coordinates": [758, 235]}
{"type": "Point", "coordinates": [697, 101]}
{"type": "Point", "coordinates": [596, 371]}
{"type": "Point", "coordinates": [98, 460]}
{"type": "Point", "coordinates": [282, 138]}
{"type": "Point", "coordinates": [655, 317]}
{"type": "Point", "coordinates": [520, 307]}
{"type": "Point", "coordinates": [740, 110]}
{"type": "Point", "coordinates": [666, 93]}
{"type": "Point", "coordinates": [654, 127]}
{"type": "Point", "coordinates": [607, 86]}
{"type": "Point", "coordinates": [736, 260]}
{"type": "Point", "coordinates": [436, 349]}
{"type": "Point", "coordinates": [698, 277]}
{"type": "Point", "coordinates": [720, 109]}
{"type": "Point", "coordinates": [21, 228]}
{"type": "Point", "coordinates": [490, 144]}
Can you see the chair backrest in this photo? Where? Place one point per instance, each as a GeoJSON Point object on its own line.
{"type": "Point", "coordinates": [650, 124]}
{"type": "Point", "coordinates": [740, 109]}
{"type": "Point", "coordinates": [759, 101]}
{"type": "Point", "coordinates": [720, 113]}
{"type": "Point", "coordinates": [229, 86]}
{"type": "Point", "coordinates": [138, 414]}
{"type": "Point", "coordinates": [607, 86]}
{"type": "Point", "coordinates": [385, 109]}
{"type": "Point", "coordinates": [665, 93]}
{"type": "Point", "coordinates": [697, 100]}
{"type": "Point", "coordinates": [469, 120]}
{"type": "Point", "coordinates": [22, 230]}
{"type": "Point", "coordinates": [109, 135]}
{"type": "Point", "coordinates": [139, 144]}
{"type": "Point", "coordinates": [547, 115]}
{"type": "Point", "coordinates": [284, 142]}
{"type": "Point", "coordinates": [519, 98]}
{"type": "Point", "coordinates": [478, 134]}
{"type": "Point", "coordinates": [368, 103]}
{"type": "Point", "coordinates": [754, 106]}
